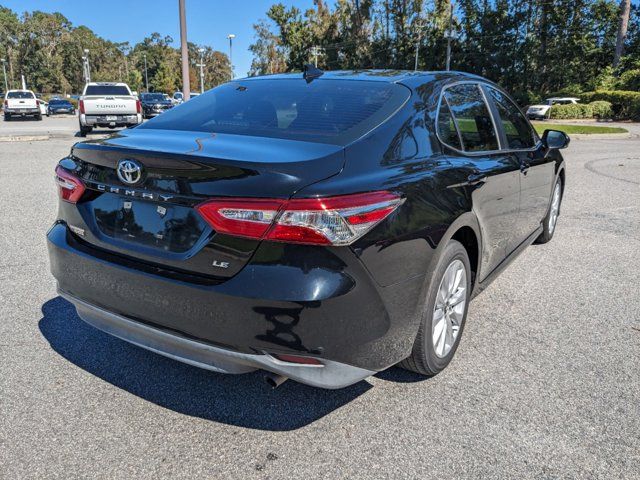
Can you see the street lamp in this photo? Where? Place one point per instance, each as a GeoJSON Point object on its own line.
{"type": "Point", "coordinates": [201, 65]}
{"type": "Point", "coordinates": [231, 36]}
{"type": "Point", "coordinates": [4, 71]}
{"type": "Point", "coordinates": [146, 78]}
{"type": "Point", "coordinates": [86, 59]}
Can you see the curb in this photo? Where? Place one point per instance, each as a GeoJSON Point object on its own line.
{"type": "Point", "coordinates": [599, 136]}
{"type": "Point", "coordinates": [24, 138]}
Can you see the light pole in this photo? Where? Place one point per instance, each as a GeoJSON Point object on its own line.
{"type": "Point", "coordinates": [449, 35]}
{"type": "Point", "coordinates": [86, 58]}
{"type": "Point", "coordinates": [146, 77]}
{"type": "Point", "coordinates": [231, 36]}
{"type": "Point", "coordinates": [4, 71]}
{"type": "Point", "coordinates": [419, 28]}
{"type": "Point", "coordinates": [201, 65]}
{"type": "Point", "coordinates": [184, 52]}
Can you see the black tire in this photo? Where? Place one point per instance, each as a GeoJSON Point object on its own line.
{"type": "Point", "coordinates": [39, 117]}
{"type": "Point", "coordinates": [547, 229]}
{"type": "Point", "coordinates": [84, 130]}
{"type": "Point", "coordinates": [7, 117]}
{"type": "Point", "coordinates": [423, 358]}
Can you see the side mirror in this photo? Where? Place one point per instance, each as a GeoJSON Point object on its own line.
{"type": "Point", "coordinates": [555, 139]}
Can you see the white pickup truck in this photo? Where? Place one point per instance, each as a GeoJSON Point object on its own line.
{"type": "Point", "coordinates": [108, 105]}
{"type": "Point", "coordinates": [21, 103]}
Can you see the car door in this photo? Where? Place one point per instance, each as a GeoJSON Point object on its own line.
{"type": "Point", "coordinates": [465, 124]}
{"type": "Point", "coordinates": [536, 170]}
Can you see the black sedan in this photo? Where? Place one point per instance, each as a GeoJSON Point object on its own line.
{"type": "Point", "coordinates": [321, 227]}
{"type": "Point", "coordinates": [58, 105]}
{"type": "Point", "coordinates": [154, 104]}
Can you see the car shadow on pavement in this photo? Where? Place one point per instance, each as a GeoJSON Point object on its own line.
{"type": "Point", "coordinates": [239, 400]}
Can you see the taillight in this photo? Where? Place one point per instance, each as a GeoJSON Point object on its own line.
{"type": "Point", "coordinates": [71, 187]}
{"type": "Point", "coordinates": [81, 106]}
{"type": "Point", "coordinates": [138, 106]}
{"type": "Point", "coordinates": [319, 221]}
{"type": "Point", "coordinates": [6, 104]}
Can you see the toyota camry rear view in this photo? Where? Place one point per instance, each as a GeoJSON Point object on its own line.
{"type": "Point", "coordinates": [319, 227]}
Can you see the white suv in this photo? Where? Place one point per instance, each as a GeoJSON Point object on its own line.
{"type": "Point", "coordinates": [540, 112]}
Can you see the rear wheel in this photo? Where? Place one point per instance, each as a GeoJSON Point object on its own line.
{"type": "Point", "coordinates": [84, 130]}
{"type": "Point", "coordinates": [444, 314]}
{"type": "Point", "coordinates": [550, 221]}
{"type": "Point", "coordinates": [7, 117]}
{"type": "Point", "coordinates": [39, 117]}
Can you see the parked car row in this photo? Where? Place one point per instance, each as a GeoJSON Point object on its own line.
{"type": "Point", "coordinates": [102, 104]}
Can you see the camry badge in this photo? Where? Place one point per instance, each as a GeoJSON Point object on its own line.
{"type": "Point", "coordinates": [129, 171]}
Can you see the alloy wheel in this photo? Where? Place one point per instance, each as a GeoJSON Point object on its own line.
{"type": "Point", "coordinates": [555, 208]}
{"type": "Point", "coordinates": [449, 308]}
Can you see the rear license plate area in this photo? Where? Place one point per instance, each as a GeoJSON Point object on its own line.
{"type": "Point", "coordinates": [112, 118]}
{"type": "Point", "coordinates": [157, 225]}
{"type": "Point", "coordinates": [143, 222]}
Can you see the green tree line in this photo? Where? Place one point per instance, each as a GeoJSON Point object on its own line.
{"type": "Point", "coordinates": [47, 49]}
{"type": "Point", "coordinates": [532, 47]}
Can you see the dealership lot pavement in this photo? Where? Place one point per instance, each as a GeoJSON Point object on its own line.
{"type": "Point", "coordinates": [545, 384]}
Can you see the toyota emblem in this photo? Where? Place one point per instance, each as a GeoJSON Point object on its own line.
{"type": "Point", "coordinates": [129, 171]}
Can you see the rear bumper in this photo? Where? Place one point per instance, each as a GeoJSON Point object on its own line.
{"type": "Point", "coordinates": [22, 111]}
{"type": "Point", "coordinates": [322, 305]}
{"type": "Point", "coordinates": [330, 375]}
{"type": "Point", "coordinates": [102, 121]}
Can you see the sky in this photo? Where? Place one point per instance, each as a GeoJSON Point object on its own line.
{"type": "Point", "coordinates": [208, 21]}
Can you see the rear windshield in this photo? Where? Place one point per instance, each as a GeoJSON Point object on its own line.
{"type": "Point", "coordinates": [327, 111]}
{"type": "Point", "coordinates": [59, 102]}
{"type": "Point", "coordinates": [107, 90]}
{"type": "Point", "coordinates": [152, 97]}
{"type": "Point", "coordinates": [20, 95]}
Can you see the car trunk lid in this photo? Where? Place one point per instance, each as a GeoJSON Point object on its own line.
{"type": "Point", "coordinates": [154, 219]}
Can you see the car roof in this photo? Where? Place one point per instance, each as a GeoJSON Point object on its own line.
{"type": "Point", "coordinates": [19, 90]}
{"type": "Point", "coordinates": [109, 84]}
{"type": "Point", "coordinates": [563, 98]}
{"type": "Point", "coordinates": [389, 76]}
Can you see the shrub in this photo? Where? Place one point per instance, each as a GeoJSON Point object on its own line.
{"type": "Point", "coordinates": [629, 80]}
{"type": "Point", "coordinates": [624, 104]}
{"type": "Point", "coordinates": [571, 111]}
{"type": "Point", "coordinates": [601, 109]}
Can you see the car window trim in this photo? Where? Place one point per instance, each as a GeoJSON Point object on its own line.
{"type": "Point", "coordinates": [483, 152]}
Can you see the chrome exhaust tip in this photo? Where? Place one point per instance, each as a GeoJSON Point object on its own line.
{"type": "Point", "coordinates": [274, 380]}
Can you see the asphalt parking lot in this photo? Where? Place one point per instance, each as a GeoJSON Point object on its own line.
{"type": "Point", "coordinates": [545, 384]}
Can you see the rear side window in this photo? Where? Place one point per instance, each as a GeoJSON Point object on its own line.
{"type": "Point", "coordinates": [516, 128]}
{"type": "Point", "coordinates": [447, 127]}
{"type": "Point", "coordinates": [107, 90]}
{"type": "Point", "coordinates": [472, 117]}
{"type": "Point", "coordinates": [326, 111]}
{"type": "Point", "coordinates": [22, 95]}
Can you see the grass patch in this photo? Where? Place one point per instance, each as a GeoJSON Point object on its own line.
{"type": "Point", "coordinates": [577, 129]}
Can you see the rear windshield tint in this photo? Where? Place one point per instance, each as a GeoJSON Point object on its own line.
{"type": "Point", "coordinates": [107, 90]}
{"type": "Point", "coordinates": [20, 95]}
{"type": "Point", "coordinates": [327, 111]}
